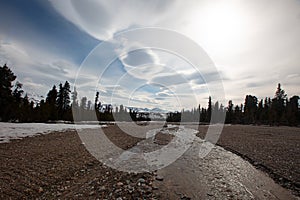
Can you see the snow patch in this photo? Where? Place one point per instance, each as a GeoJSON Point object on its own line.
{"type": "Point", "coordinates": [9, 131]}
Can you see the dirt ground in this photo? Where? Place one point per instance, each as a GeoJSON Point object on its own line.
{"type": "Point", "coordinates": [275, 150]}
{"type": "Point", "coordinates": [57, 165]}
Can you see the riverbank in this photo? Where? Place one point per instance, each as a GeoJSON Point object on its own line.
{"type": "Point", "coordinates": [274, 150]}
{"type": "Point", "coordinates": [57, 165]}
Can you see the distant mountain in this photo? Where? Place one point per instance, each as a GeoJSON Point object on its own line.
{"type": "Point", "coordinates": [148, 110]}
{"type": "Point", "coordinates": [158, 110]}
{"type": "Point", "coordinates": [34, 97]}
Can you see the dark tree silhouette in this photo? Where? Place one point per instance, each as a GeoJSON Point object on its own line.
{"type": "Point", "coordinates": [26, 110]}
{"type": "Point", "coordinates": [97, 104]}
{"type": "Point", "coordinates": [14, 107]}
{"type": "Point", "coordinates": [293, 113]}
{"type": "Point", "coordinates": [278, 104]}
{"type": "Point", "coordinates": [60, 101]}
{"type": "Point", "coordinates": [229, 115]}
{"type": "Point", "coordinates": [173, 117]}
{"type": "Point", "coordinates": [6, 98]}
{"type": "Point", "coordinates": [51, 104]}
{"type": "Point", "coordinates": [250, 109]}
{"type": "Point", "coordinates": [63, 101]}
{"type": "Point", "coordinates": [66, 96]}
{"type": "Point", "coordinates": [209, 110]}
{"type": "Point", "coordinates": [17, 102]}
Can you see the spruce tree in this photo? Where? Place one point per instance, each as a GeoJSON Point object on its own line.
{"type": "Point", "coordinates": [278, 105]}
{"type": "Point", "coordinates": [60, 101]}
{"type": "Point", "coordinates": [6, 79]}
{"type": "Point", "coordinates": [66, 96]}
{"type": "Point", "coordinates": [51, 103]}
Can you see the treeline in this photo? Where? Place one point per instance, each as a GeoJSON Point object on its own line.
{"type": "Point", "coordinates": [63, 104]}
{"type": "Point", "coordinates": [16, 108]}
{"type": "Point", "coordinates": [278, 110]}
{"type": "Point", "coordinates": [60, 104]}
{"type": "Point", "coordinates": [88, 111]}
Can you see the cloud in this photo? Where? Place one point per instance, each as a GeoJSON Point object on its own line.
{"type": "Point", "coordinates": [37, 75]}
{"type": "Point", "coordinates": [141, 64]}
{"type": "Point", "coordinates": [254, 45]}
{"type": "Point", "coordinates": [137, 58]}
{"type": "Point", "coordinates": [102, 19]}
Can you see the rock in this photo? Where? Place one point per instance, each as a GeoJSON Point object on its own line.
{"type": "Point", "coordinates": [209, 194]}
{"type": "Point", "coordinates": [184, 197]}
{"type": "Point", "coordinates": [154, 187]}
{"type": "Point", "coordinates": [90, 164]}
{"type": "Point", "coordinates": [130, 188]}
{"type": "Point", "coordinates": [118, 191]}
{"type": "Point", "coordinates": [159, 178]}
{"type": "Point", "coordinates": [141, 180]}
{"type": "Point", "coordinates": [41, 190]}
{"type": "Point", "coordinates": [120, 184]}
{"type": "Point", "coordinates": [102, 188]}
{"type": "Point", "coordinates": [148, 189]}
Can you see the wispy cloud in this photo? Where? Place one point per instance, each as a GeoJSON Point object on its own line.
{"type": "Point", "coordinates": [254, 45]}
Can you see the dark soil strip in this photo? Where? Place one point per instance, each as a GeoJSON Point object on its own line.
{"type": "Point", "coordinates": [120, 138]}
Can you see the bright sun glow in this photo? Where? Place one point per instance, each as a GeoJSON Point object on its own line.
{"type": "Point", "coordinates": [217, 25]}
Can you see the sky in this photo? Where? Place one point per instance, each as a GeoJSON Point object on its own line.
{"type": "Point", "coordinates": [250, 46]}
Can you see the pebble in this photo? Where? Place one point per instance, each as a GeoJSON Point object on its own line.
{"type": "Point", "coordinates": [141, 180]}
{"type": "Point", "coordinates": [102, 188]}
{"type": "Point", "coordinates": [120, 184]}
{"type": "Point", "coordinates": [129, 187]}
{"type": "Point", "coordinates": [41, 190]}
{"type": "Point", "coordinates": [209, 194]}
{"type": "Point", "coordinates": [118, 190]}
{"type": "Point", "coordinates": [154, 188]}
{"type": "Point", "coordinates": [159, 178]}
{"type": "Point", "coordinates": [184, 197]}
